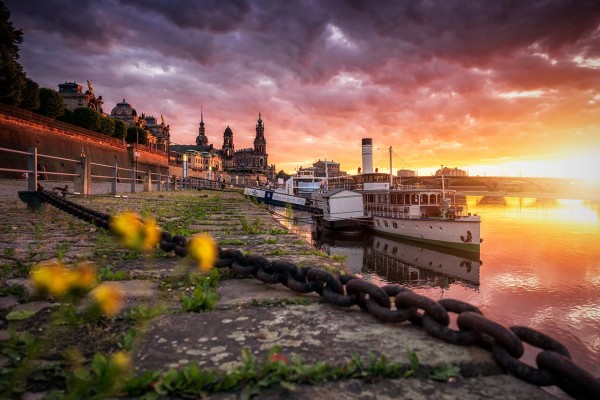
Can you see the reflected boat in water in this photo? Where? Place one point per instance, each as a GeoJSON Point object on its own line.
{"type": "Point", "coordinates": [411, 264]}
{"type": "Point", "coordinates": [403, 262]}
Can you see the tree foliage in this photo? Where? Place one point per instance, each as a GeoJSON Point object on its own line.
{"type": "Point", "coordinates": [30, 99]}
{"type": "Point", "coordinates": [120, 129]}
{"type": "Point", "coordinates": [107, 126]}
{"type": "Point", "coordinates": [135, 134]}
{"type": "Point", "coordinates": [12, 77]}
{"type": "Point", "coordinates": [51, 103]}
{"type": "Point", "coordinates": [86, 118]}
{"type": "Point", "coordinates": [282, 174]}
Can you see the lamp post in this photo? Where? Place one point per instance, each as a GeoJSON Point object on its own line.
{"type": "Point", "coordinates": [185, 167]}
{"type": "Point", "coordinates": [136, 153]}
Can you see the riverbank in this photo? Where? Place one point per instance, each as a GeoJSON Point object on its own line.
{"type": "Point", "coordinates": [278, 329]}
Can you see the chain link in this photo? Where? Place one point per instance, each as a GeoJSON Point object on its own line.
{"type": "Point", "coordinates": [554, 364]}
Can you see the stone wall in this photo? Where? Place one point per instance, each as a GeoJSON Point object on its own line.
{"type": "Point", "coordinates": [20, 129]}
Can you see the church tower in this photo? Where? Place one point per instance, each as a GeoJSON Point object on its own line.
{"type": "Point", "coordinates": [260, 145]}
{"type": "Point", "coordinates": [201, 139]}
{"type": "Point", "coordinates": [228, 148]}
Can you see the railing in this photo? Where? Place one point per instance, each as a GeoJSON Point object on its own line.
{"type": "Point", "coordinates": [83, 176]}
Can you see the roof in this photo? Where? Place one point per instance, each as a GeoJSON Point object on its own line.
{"type": "Point", "coordinates": [336, 191]}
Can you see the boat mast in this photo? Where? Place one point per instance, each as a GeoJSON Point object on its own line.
{"type": "Point", "coordinates": [443, 192]}
{"type": "Point", "coordinates": [391, 178]}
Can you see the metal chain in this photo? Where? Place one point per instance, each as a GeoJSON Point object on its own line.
{"type": "Point", "coordinates": [554, 364]}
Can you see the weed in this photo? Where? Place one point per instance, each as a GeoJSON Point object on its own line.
{"type": "Point", "coordinates": [203, 298]}
{"type": "Point", "coordinates": [8, 252]}
{"type": "Point", "coordinates": [278, 231]}
{"type": "Point", "coordinates": [60, 250]}
{"type": "Point", "coordinates": [444, 373]}
{"type": "Point", "coordinates": [106, 274]}
{"type": "Point", "coordinates": [270, 240]}
{"type": "Point", "coordinates": [339, 257]}
{"type": "Point", "coordinates": [232, 242]}
{"type": "Point", "coordinates": [280, 302]}
{"type": "Point", "coordinates": [277, 252]}
{"type": "Point", "coordinates": [250, 227]}
{"type": "Point", "coordinates": [143, 313]}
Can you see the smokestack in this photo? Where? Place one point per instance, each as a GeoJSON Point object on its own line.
{"type": "Point", "coordinates": [367, 155]}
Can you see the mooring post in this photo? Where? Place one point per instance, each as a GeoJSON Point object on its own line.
{"type": "Point", "coordinates": [115, 173]}
{"type": "Point", "coordinates": [84, 175]}
{"type": "Point", "coordinates": [148, 181]}
{"type": "Point", "coordinates": [133, 179]}
{"type": "Point", "coordinates": [32, 162]}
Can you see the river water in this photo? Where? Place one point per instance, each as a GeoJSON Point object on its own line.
{"type": "Point", "coordinates": [539, 266]}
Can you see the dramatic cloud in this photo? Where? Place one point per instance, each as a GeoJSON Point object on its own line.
{"type": "Point", "coordinates": [494, 87]}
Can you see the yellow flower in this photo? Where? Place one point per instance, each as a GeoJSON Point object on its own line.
{"type": "Point", "coordinates": [83, 277]}
{"type": "Point", "coordinates": [121, 361]}
{"type": "Point", "coordinates": [135, 232]}
{"type": "Point", "coordinates": [51, 278]}
{"type": "Point", "coordinates": [109, 298]}
{"type": "Point", "coordinates": [151, 234]}
{"type": "Point", "coordinates": [203, 249]}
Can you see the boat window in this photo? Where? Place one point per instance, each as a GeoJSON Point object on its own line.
{"type": "Point", "coordinates": [394, 250]}
{"type": "Point", "coordinates": [385, 247]}
{"type": "Point", "coordinates": [407, 199]}
{"type": "Point", "coordinates": [377, 222]}
{"type": "Point", "coordinates": [385, 223]}
{"type": "Point", "coordinates": [414, 199]}
{"type": "Point", "coordinates": [424, 199]}
{"type": "Point", "coordinates": [394, 225]}
{"type": "Point", "coordinates": [432, 199]}
{"type": "Point", "coordinates": [394, 198]}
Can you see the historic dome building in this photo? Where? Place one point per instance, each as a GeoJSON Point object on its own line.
{"type": "Point", "coordinates": [125, 112]}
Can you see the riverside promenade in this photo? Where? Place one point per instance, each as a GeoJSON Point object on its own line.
{"type": "Point", "coordinates": [249, 314]}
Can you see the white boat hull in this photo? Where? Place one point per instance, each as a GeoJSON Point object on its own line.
{"type": "Point", "coordinates": [461, 233]}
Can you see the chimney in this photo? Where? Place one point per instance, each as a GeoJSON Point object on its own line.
{"type": "Point", "coordinates": [367, 156]}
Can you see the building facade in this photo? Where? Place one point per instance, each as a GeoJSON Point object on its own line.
{"type": "Point", "coordinates": [74, 97]}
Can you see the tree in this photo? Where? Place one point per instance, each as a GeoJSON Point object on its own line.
{"type": "Point", "coordinates": [86, 118]}
{"type": "Point", "coordinates": [135, 134]}
{"type": "Point", "coordinates": [51, 103]}
{"type": "Point", "coordinates": [66, 117]}
{"type": "Point", "coordinates": [120, 129]}
{"type": "Point", "coordinates": [283, 175]}
{"type": "Point", "coordinates": [30, 99]}
{"type": "Point", "coordinates": [107, 126]}
{"type": "Point", "coordinates": [12, 77]}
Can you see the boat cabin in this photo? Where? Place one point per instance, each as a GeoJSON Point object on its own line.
{"type": "Point", "coordinates": [412, 203]}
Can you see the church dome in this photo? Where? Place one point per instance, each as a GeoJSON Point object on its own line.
{"type": "Point", "coordinates": [123, 109]}
{"type": "Point", "coordinates": [228, 132]}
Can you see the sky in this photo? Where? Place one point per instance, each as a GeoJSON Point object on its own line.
{"type": "Point", "coordinates": [496, 88]}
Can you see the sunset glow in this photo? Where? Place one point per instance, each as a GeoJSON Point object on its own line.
{"type": "Point", "coordinates": [493, 88]}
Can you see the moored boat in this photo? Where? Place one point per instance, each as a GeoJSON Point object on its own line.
{"type": "Point", "coordinates": [428, 215]}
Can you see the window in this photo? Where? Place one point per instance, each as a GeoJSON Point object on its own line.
{"type": "Point", "coordinates": [394, 225]}
{"type": "Point", "coordinates": [385, 223]}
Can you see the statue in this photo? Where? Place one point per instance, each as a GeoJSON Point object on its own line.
{"type": "Point", "coordinates": [162, 119]}
{"type": "Point", "coordinates": [90, 87]}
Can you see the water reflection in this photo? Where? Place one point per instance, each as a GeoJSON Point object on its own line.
{"type": "Point", "coordinates": [393, 260]}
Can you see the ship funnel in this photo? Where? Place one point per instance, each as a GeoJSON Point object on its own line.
{"type": "Point", "coordinates": [367, 156]}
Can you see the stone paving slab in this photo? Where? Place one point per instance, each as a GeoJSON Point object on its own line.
{"type": "Point", "coordinates": [318, 332]}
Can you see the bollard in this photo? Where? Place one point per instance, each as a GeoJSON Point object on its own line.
{"type": "Point", "coordinates": [133, 179]}
{"type": "Point", "coordinates": [113, 186]}
{"type": "Point", "coordinates": [32, 167]}
{"type": "Point", "coordinates": [148, 181]}
{"type": "Point", "coordinates": [83, 180]}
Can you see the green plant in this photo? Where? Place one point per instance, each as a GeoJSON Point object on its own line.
{"type": "Point", "coordinates": [60, 250]}
{"type": "Point", "coordinates": [232, 242]}
{"type": "Point", "coordinates": [270, 240]}
{"type": "Point", "coordinates": [103, 380]}
{"type": "Point", "coordinates": [275, 231]}
{"type": "Point", "coordinates": [106, 274]}
{"type": "Point", "coordinates": [339, 257]}
{"type": "Point", "coordinates": [143, 313]}
{"type": "Point", "coordinates": [289, 212]}
{"type": "Point", "coordinates": [413, 360]}
{"type": "Point", "coordinates": [444, 373]}
{"type": "Point", "coordinates": [203, 298]}
{"type": "Point", "coordinates": [277, 252]}
{"type": "Point", "coordinates": [8, 252]}
{"type": "Point", "coordinates": [250, 227]}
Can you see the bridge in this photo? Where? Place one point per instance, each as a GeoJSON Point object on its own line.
{"type": "Point", "coordinates": [496, 183]}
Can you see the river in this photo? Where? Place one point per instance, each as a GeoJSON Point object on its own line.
{"type": "Point", "coordinates": [539, 266]}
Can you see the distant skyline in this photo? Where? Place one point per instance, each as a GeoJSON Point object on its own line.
{"type": "Point", "coordinates": [491, 87]}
